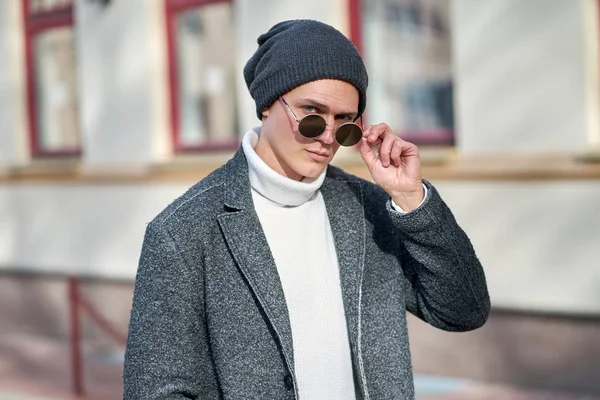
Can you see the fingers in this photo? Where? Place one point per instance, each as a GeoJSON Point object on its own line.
{"type": "Point", "coordinates": [390, 148]}
{"type": "Point", "coordinates": [396, 153]}
{"type": "Point", "coordinates": [370, 146]}
{"type": "Point", "coordinates": [376, 133]}
{"type": "Point", "coordinates": [367, 152]}
{"type": "Point", "coordinates": [385, 151]}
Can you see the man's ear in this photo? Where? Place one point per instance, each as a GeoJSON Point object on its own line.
{"type": "Point", "coordinates": [265, 114]}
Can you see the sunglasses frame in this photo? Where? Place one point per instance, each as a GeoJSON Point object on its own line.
{"type": "Point", "coordinates": [335, 129]}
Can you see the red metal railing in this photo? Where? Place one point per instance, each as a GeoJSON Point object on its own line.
{"type": "Point", "coordinates": [78, 304]}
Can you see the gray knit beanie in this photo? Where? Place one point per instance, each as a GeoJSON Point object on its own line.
{"type": "Point", "coordinates": [296, 52]}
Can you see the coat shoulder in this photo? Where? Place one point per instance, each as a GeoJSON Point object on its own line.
{"type": "Point", "coordinates": [371, 193]}
{"type": "Point", "coordinates": [201, 201]}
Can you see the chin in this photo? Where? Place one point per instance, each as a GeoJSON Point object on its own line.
{"type": "Point", "coordinates": [312, 171]}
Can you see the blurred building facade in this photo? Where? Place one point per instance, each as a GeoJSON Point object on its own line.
{"type": "Point", "coordinates": [109, 109]}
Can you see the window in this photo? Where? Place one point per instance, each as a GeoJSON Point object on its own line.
{"type": "Point", "coordinates": [407, 48]}
{"type": "Point", "coordinates": [201, 45]}
{"type": "Point", "coordinates": [51, 77]}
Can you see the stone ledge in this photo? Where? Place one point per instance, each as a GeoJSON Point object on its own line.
{"type": "Point", "coordinates": [440, 165]}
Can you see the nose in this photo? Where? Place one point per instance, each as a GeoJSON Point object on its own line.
{"type": "Point", "coordinates": [328, 136]}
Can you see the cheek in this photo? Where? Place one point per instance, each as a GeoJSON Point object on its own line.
{"type": "Point", "coordinates": [335, 147]}
{"type": "Point", "coordinates": [300, 139]}
{"type": "Point", "coordinates": [289, 144]}
{"type": "Point", "coordinates": [289, 132]}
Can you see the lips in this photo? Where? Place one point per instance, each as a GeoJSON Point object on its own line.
{"type": "Point", "coordinates": [318, 156]}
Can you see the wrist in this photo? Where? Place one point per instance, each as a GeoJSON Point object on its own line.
{"type": "Point", "coordinates": [409, 200]}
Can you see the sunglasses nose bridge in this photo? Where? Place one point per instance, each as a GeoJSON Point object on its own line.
{"type": "Point", "coordinates": [333, 128]}
{"type": "Point", "coordinates": [328, 135]}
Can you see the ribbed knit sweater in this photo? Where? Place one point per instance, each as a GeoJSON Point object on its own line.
{"type": "Point", "coordinates": [296, 226]}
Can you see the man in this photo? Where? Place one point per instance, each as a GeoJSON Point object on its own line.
{"type": "Point", "coordinates": [281, 277]}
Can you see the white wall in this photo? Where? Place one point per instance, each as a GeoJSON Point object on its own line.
{"type": "Point", "coordinates": [14, 147]}
{"type": "Point", "coordinates": [538, 241]}
{"type": "Point", "coordinates": [122, 82]}
{"type": "Point", "coordinates": [526, 79]}
{"type": "Point", "coordinates": [76, 228]}
{"type": "Point", "coordinates": [520, 72]}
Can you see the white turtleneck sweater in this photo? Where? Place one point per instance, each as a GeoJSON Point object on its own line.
{"type": "Point", "coordinates": [295, 223]}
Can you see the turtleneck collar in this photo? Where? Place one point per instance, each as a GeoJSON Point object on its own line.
{"type": "Point", "coordinates": [272, 185]}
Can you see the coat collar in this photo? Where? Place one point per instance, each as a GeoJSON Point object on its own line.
{"type": "Point", "coordinates": [237, 183]}
{"type": "Point", "coordinates": [243, 233]}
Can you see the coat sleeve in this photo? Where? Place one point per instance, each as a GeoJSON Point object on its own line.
{"type": "Point", "coordinates": [445, 282]}
{"type": "Point", "coordinates": [167, 354]}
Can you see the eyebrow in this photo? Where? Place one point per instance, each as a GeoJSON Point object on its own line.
{"type": "Point", "coordinates": [324, 107]}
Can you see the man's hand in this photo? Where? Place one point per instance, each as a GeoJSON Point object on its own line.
{"type": "Point", "coordinates": [396, 165]}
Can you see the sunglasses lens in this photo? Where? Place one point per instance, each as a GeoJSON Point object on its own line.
{"type": "Point", "coordinates": [312, 126]}
{"type": "Point", "coordinates": [348, 134]}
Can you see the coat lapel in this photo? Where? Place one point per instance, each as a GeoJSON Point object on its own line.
{"type": "Point", "coordinates": [246, 240]}
{"type": "Point", "coordinates": [343, 201]}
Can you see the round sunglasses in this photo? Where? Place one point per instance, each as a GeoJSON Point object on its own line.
{"type": "Point", "coordinates": [313, 125]}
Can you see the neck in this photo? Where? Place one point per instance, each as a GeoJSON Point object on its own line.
{"type": "Point", "coordinates": [265, 152]}
{"type": "Point", "coordinates": [272, 184]}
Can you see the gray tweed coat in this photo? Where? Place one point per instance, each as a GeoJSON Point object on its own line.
{"type": "Point", "coordinates": [209, 317]}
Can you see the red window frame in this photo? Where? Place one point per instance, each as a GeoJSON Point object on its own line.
{"type": "Point", "coordinates": [354, 15]}
{"type": "Point", "coordinates": [34, 24]}
{"type": "Point", "coordinates": [172, 9]}
{"type": "Point", "coordinates": [441, 137]}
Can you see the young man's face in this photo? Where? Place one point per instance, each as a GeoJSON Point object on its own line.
{"type": "Point", "coordinates": [289, 153]}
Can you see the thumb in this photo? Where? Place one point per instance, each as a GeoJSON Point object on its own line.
{"type": "Point", "coordinates": [367, 153]}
